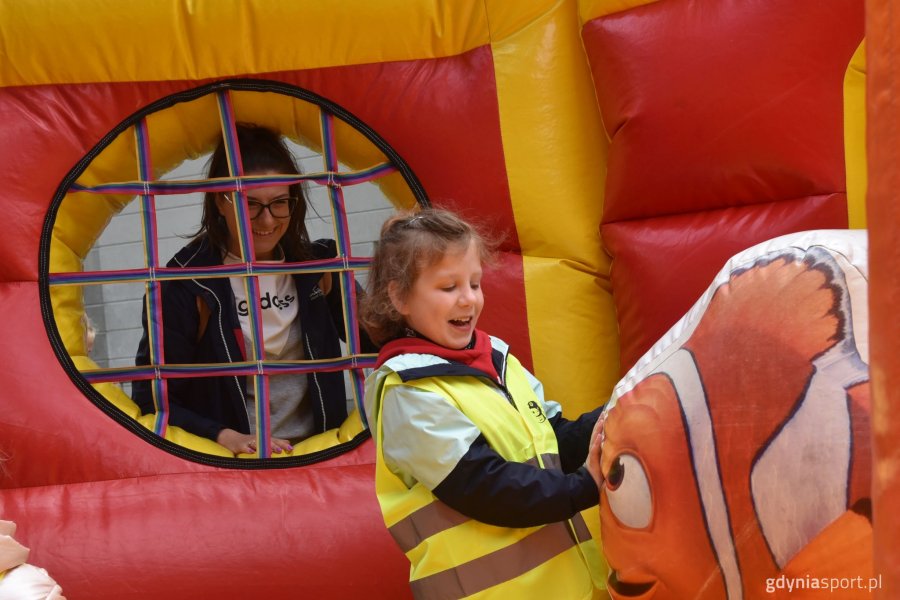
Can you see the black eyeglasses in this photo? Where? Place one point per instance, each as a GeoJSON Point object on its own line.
{"type": "Point", "coordinates": [280, 208]}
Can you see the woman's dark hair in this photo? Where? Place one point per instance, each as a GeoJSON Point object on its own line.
{"type": "Point", "coordinates": [262, 151]}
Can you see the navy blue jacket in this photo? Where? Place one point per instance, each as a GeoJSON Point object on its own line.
{"type": "Point", "coordinates": [206, 405]}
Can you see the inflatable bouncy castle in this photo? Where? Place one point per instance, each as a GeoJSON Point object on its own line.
{"type": "Point", "coordinates": [642, 162]}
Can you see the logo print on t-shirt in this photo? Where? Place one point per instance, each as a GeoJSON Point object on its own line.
{"type": "Point", "coordinates": [267, 302]}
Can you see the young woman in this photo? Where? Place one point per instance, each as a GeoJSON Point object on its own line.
{"type": "Point", "coordinates": [480, 480]}
{"type": "Point", "coordinates": [207, 320]}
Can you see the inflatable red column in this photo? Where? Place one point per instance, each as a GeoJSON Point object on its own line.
{"type": "Point", "coordinates": [883, 89]}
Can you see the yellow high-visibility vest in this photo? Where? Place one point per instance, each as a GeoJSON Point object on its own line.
{"type": "Point", "coordinates": [454, 556]}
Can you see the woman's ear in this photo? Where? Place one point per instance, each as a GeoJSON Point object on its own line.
{"type": "Point", "coordinates": [396, 300]}
{"type": "Point", "coordinates": [222, 204]}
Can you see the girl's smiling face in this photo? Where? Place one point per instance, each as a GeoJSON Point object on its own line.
{"type": "Point", "coordinates": [446, 300]}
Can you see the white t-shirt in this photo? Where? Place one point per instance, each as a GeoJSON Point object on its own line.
{"type": "Point", "coordinates": [278, 301]}
{"type": "Point", "coordinates": [291, 415]}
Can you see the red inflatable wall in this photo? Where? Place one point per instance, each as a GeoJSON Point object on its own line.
{"type": "Point", "coordinates": [720, 139]}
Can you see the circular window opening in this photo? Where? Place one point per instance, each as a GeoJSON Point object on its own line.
{"type": "Point", "coordinates": [156, 240]}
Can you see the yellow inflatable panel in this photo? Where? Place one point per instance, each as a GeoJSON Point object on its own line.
{"type": "Point", "coordinates": [147, 41]}
{"type": "Point", "coordinates": [591, 9]}
{"type": "Point", "coordinates": [855, 137]}
{"type": "Point", "coordinates": [545, 64]}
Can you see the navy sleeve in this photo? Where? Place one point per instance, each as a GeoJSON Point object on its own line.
{"type": "Point", "coordinates": [574, 438]}
{"type": "Point", "coordinates": [486, 487]}
{"type": "Point", "coordinates": [180, 325]}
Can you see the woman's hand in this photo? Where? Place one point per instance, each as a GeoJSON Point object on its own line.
{"type": "Point", "coordinates": [593, 458]}
{"type": "Point", "coordinates": [243, 443]}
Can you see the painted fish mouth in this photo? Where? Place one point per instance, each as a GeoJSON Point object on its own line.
{"type": "Point", "coordinates": [629, 589]}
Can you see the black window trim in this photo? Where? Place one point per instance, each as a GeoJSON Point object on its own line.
{"type": "Point", "coordinates": [239, 84]}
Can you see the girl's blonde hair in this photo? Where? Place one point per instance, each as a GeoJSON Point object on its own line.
{"type": "Point", "coordinates": [409, 244]}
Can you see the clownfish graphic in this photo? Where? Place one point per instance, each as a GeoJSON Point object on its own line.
{"type": "Point", "coordinates": [743, 455]}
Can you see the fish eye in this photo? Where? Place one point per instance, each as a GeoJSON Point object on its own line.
{"type": "Point", "coordinates": [628, 492]}
{"type": "Point", "coordinates": [616, 475]}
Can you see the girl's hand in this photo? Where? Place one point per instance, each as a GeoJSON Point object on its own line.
{"type": "Point", "coordinates": [593, 459]}
{"type": "Point", "coordinates": [243, 443]}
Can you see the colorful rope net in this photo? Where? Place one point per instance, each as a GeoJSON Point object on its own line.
{"type": "Point", "coordinates": [345, 265]}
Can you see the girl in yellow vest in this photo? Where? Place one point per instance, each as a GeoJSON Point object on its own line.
{"type": "Point", "coordinates": [480, 480]}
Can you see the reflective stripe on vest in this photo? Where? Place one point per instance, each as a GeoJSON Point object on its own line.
{"type": "Point", "coordinates": [436, 517]}
{"type": "Point", "coordinates": [497, 567]}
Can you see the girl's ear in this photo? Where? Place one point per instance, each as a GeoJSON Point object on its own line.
{"type": "Point", "coordinates": [396, 300]}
